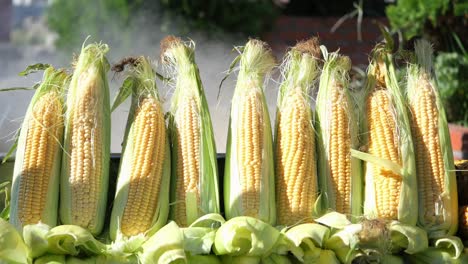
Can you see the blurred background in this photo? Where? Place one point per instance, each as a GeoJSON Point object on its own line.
{"type": "Point", "coordinates": [52, 31]}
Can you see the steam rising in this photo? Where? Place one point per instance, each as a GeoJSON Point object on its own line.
{"type": "Point", "coordinates": [213, 56]}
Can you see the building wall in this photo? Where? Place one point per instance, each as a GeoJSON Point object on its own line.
{"type": "Point", "coordinates": [5, 19]}
{"type": "Point", "coordinates": [288, 30]}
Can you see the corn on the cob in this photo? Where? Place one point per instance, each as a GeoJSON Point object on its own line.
{"type": "Point", "coordinates": [195, 175]}
{"type": "Point", "coordinates": [438, 201]}
{"type": "Point", "coordinates": [390, 169]}
{"type": "Point", "coordinates": [37, 164]}
{"type": "Point", "coordinates": [85, 162]}
{"type": "Point", "coordinates": [296, 174]}
{"type": "Point", "coordinates": [249, 187]}
{"type": "Point", "coordinates": [340, 174]}
{"type": "Point", "coordinates": [141, 202]}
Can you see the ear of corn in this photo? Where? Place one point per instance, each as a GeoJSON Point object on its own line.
{"type": "Point", "coordinates": [296, 174]}
{"type": "Point", "coordinates": [390, 189]}
{"type": "Point", "coordinates": [438, 201]}
{"type": "Point", "coordinates": [249, 188]}
{"type": "Point", "coordinates": [142, 198]}
{"type": "Point", "coordinates": [37, 164]}
{"type": "Point", "coordinates": [340, 173]}
{"type": "Point", "coordinates": [85, 162]}
{"type": "Point", "coordinates": [195, 174]}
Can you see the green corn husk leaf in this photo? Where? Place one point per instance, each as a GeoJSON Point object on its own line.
{"type": "Point", "coordinates": [255, 62]}
{"type": "Point", "coordinates": [450, 244]}
{"type": "Point", "coordinates": [54, 83]}
{"type": "Point", "coordinates": [376, 257]}
{"type": "Point", "coordinates": [328, 256]}
{"type": "Point", "coordinates": [206, 259]}
{"type": "Point", "coordinates": [247, 237]}
{"type": "Point", "coordinates": [165, 247]}
{"type": "Point", "coordinates": [333, 220]}
{"type": "Point", "coordinates": [199, 237]}
{"type": "Point", "coordinates": [142, 86]}
{"type": "Point", "coordinates": [228, 259]}
{"type": "Point", "coordinates": [5, 189]}
{"type": "Point", "coordinates": [412, 239]}
{"type": "Point", "coordinates": [180, 58]}
{"type": "Point", "coordinates": [420, 75]}
{"type": "Point", "coordinates": [73, 240]}
{"type": "Point", "coordinates": [51, 259]}
{"type": "Point", "coordinates": [345, 243]}
{"type": "Point", "coordinates": [34, 68]}
{"type": "Point", "coordinates": [437, 256]}
{"type": "Point", "coordinates": [335, 78]}
{"type": "Point", "coordinates": [381, 73]}
{"type": "Point", "coordinates": [276, 259]}
{"type": "Point", "coordinates": [101, 260]}
{"type": "Point", "coordinates": [308, 240]}
{"type": "Point", "coordinates": [310, 234]}
{"type": "Point", "coordinates": [35, 237]}
{"type": "Point", "coordinates": [13, 250]}
{"type": "Point", "coordinates": [91, 69]}
{"type": "Point", "coordinates": [300, 70]}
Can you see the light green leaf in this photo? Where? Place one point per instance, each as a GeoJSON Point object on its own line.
{"type": "Point", "coordinates": [72, 240]}
{"type": "Point", "coordinates": [246, 236]}
{"type": "Point", "coordinates": [334, 220]}
{"type": "Point", "coordinates": [34, 68]}
{"type": "Point", "coordinates": [50, 259]}
{"type": "Point", "coordinates": [413, 239]}
{"type": "Point", "coordinates": [124, 92]}
{"type": "Point", "coordinates": [451, 244]}
{"type": "Point", "coordinates": [198, 240]}
{"type": "Point", "coordinates": [164, 247]}
{"type": "Point", "coordinates": [35, 236]}
{"type": "Point", "coordinates": [12, 247]}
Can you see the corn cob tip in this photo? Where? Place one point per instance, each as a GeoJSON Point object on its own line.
{"type": "Point", "coordinates": [377, 68]}
{"type": "Point", "coordinates": [310, 46]}
{"type": "Point", "coordinates": [168, 43]}
{"type": "Point", "coordinates": [257, 57]}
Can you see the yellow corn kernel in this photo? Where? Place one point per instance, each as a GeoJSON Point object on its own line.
{"type": "Point", "coordinates": [296, 187]}
{"type": "Point", "coordinates": [42, 144]}
{"type": "Point", "coordinates": [188, 156]}
{"type": "Point", "coordinates": [147, 166]}
{"type": "Point", "coordinates": [383, 143]}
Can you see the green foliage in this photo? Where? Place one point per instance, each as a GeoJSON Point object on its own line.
{"type": "Point", "coordinates": [411, 15]}
{"type": "Point", "coordinates": [122, 20]}
{"type": "Point", "coordinates": [451, 69]}
{"type": "Point", "coordinates": [250, 17]}
{"type": "Point", "coordinates": [75, 20]}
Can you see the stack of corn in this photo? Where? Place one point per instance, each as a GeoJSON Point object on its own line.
{"type": "Point", "coordinates": [296, 165]}
{"type": "Point", "coordinates": [195, 172]}
{"type": "Point", "coordinates": [249, 188]}
{"type": "Point", "coordinates": [142, 197]}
